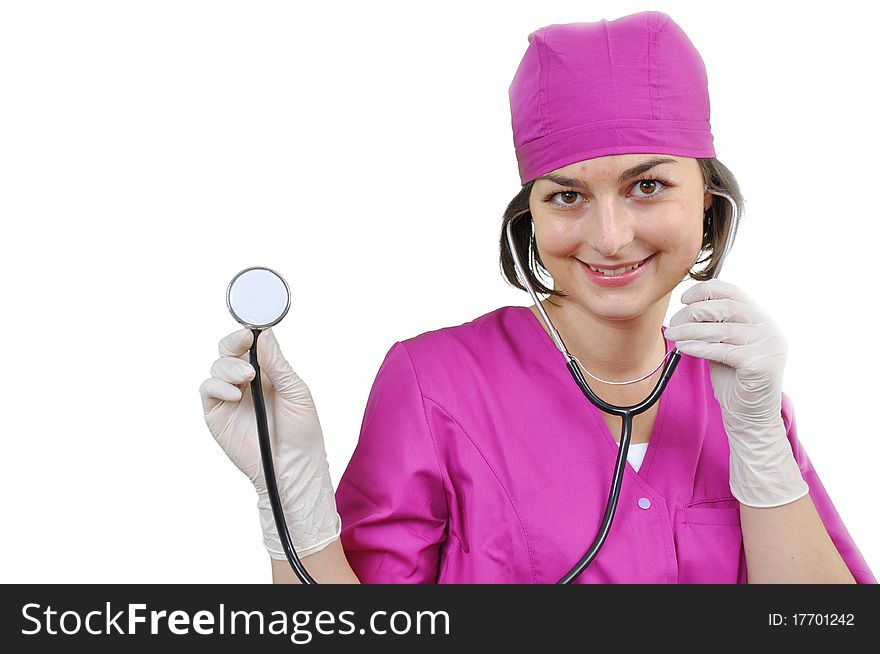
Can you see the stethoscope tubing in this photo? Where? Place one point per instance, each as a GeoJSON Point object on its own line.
{"type": "Point", "coordinates": [269, 469]}
{"type": "Point", "coordinates": [627, 414]}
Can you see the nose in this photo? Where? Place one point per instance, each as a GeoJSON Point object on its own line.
{"type": "Point", "coordinates": [608, 228]}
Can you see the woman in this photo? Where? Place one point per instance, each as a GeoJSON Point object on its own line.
{"type": "Point", "coordinates": [479, 461]}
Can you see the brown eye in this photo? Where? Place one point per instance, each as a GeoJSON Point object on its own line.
{"type": "Point", "coordinates": [650, 188]}
{"type": "Point", "coordinates": [562, 199]}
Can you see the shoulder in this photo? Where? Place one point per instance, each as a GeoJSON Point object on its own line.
{"type": "Point", "coordinates": [503, 322]}
{"type": "Point", "coordinates": [448, 357]}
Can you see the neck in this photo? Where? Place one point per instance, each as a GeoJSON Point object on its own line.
{"type": "Point", "coordinates": [614, 350]}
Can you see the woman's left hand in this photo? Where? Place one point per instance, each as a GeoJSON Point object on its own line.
{"type": "Point", "coordinates": [745, 349]}
{"type": "Point", "coordinates": [746, 353]}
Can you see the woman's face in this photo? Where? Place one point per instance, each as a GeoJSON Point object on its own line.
{"type": "Point", "coordinates": [613, 211]}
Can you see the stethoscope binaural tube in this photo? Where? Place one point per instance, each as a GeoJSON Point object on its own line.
{"type": "Point", "coordinates": [625, 413]}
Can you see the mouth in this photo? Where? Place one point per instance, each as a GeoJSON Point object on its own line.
{"type": "Point", "coordinates": [617, 270]}
{"type": "Point", "coordinates": [616, 277]}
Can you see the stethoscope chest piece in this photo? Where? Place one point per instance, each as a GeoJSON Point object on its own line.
{"type": "Point", "coordinates": [258, 297]}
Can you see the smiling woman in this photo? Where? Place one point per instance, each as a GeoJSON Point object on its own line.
{"type": "Point", "coordinates": [715, 220]}
{"type": "Point", "coordinates": [479, 461]}
{"type": "Point", "coordinates": [617, 166]}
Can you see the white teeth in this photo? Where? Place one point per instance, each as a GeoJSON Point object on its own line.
{"type": "Point", "coordinates": [616, 271]}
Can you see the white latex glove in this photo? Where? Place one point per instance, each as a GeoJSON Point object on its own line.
{"type": "Point", "coordinates": [746, 353]}
{"type": "Point", "coordinates": [298, 454]}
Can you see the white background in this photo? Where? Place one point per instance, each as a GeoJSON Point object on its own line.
{"type": "Point", "coordinates": [151, 150]}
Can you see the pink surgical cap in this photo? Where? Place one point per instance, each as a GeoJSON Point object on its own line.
{"type": "Point", "coordinates": [585, 90]}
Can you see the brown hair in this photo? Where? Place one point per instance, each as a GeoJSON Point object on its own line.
{"type": "Point", "coordinates": [716, 224]}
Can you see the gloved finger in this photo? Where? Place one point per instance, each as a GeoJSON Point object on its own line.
{"type": "Point", "coordinates": [234, 371]}
{"type": "Point", "coordinates": [722, 310]}
{"type": "Point", "coordinates": [714, 332]}
{"type": "Point", "coordinates": [216, 391]}
{"type": "Point", "coordinates": [719, 311]}
{"type": "Point", "coordinates": [713, 289]}
{"type": "Point", "coordinates": [724, 353]}
{"type": "Point", "coordinates": [237, 343]}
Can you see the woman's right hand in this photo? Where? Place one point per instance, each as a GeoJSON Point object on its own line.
{"type": "Point", "coordinates": [298, 453]}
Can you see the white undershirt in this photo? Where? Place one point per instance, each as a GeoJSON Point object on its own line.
{"type": "Point", "coordinates": [636, 454]}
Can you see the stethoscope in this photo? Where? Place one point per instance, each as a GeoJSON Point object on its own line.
{"type": "Point", "coordinates": [258, 298]}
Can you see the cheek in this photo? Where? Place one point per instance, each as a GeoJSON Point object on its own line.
{"type": "Point", "coordinates": [681, 237]}
{"type": "Point", "coordinates": [557, 239]}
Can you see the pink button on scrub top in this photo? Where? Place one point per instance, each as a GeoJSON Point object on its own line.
{"type": "Point", "coordinates": [481, 461]}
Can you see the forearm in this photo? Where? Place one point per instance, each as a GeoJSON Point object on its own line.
{"type": "Point", "coordinates": [327, 566]}
{"type": "Point", "coordinates": [789, 544]}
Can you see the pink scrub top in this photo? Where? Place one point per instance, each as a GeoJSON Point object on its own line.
{"type": "Point", "coordinates": [481, 461]}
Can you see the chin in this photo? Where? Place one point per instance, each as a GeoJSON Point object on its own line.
{"type": "Point", "coordinates": [608, 304]}
{"type": "Point", "coordinates": [615, 314]}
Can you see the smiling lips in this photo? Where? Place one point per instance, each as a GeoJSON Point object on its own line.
{"type": "Point", "coordinates": [611, 270]}
{"type": "Point", "coordinates": [618, 276]}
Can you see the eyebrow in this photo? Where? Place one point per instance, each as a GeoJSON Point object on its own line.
{"type": "Point", "coordinates": [629, 173]}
